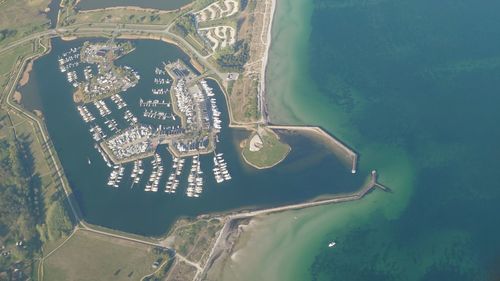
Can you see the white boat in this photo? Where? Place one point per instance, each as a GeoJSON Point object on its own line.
{"type": "Point", "coordinates": [332, 244]}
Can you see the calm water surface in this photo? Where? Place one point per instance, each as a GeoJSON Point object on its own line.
{"type": "Point", "coordinates": [414, 86]}
{"type": "Point", "coordinates": [306, 173]}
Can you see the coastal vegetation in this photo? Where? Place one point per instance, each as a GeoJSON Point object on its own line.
{"type": "Point", "coordinates": [7, 61]}
{"type": "Point", "coordinates": [20, 18]}
{"type": "Point", "coordinates": [58, 222]}
{"type": "Point", "coordinates": [69, 15]}
{"type": "Point", "coordinates": [234, 57]}
{"type": "Point", "coordinates": [181, 270]}
{"type": "Point", "coordinates": [229, 42]}
{"type": "Point", "coordinates": [31, 210]}
{"type": "Point", "coordinates": [264, 149]}
{"type": "Point", "coordinates": [44, 219]}
{"type": "Point", "coordinates": [6, 33]}
{"type": "Point", "coordinates": [193, 238]}
{"type": "Point", "coordinates": [107, 257]}
{"type": "Point", "coordinates": [185, 26]}
{"type": "Point", "coordinates": [119, 16]}
{"type": "Point", "coordinates": [17, 210]}
{"type": "Point", "coordinates": [248, 58]}
{"type": "Point", "coordinates": [31, 200]}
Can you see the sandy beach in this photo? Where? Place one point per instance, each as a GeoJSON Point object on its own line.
{"type": "Point", "coordinates": [265, 58]}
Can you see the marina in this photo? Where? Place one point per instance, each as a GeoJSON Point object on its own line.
{"type": "Point", "coordinates": [173, 182]}
{"type": "Point", "coordinates": [195, 180]}
{"type": "Point", "coordinates": [175, 142]}
{"type": "Point", "coordinates": [135, 140]}
{"type": "Point", "coordinates": [221, 172]}
{"type": "Point", "coordinates": [153, 103]}
{"type": "Point", "coordinates": [86, 115]}
{"type": "Point", "coordinates": [109, 79]}
{"type": "Point", "coordinates": [137, 171]}
{"type": "Point", "coordinates": [156, 174]}
{"type": "Point", "coordinates": [402, 99]}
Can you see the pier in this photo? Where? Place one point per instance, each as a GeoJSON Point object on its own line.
{"type": "Point", "coordinates": [222, 243]}
{"type": "Point", "coordinates": [339, 148]}
{"type": "Point", "coordinates": [191, 99]}
{"type": "Point", "coordinates": [365, 189]}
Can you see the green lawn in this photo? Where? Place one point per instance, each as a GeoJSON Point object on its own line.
{"type": "Point", "coordinates": [89, 256]}
{"type": "Point", "coordinates": [273, 151]}
{"type": "Point", "coordinates": [7, 61]}
{"type": "Point", "coordinates": [19, 18]}
{"type": "Point", "coordinates": [36, 189]}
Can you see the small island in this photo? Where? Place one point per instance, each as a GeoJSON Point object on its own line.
{"type": "Point", "coordinates": [264, 149]}
{"type": "Point", "coordinates": [109, 80]}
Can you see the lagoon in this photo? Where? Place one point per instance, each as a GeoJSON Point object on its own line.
{"type": "Point", "coordinates": [308, 172]}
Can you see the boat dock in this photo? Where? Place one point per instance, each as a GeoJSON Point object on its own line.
{"type": "Point", "coordinates": [195, 180]}
{"type": "Point", "coordinates": [221, 172]}
{"type": "Point", "coordinates": [190, 99]}
{"type": "Point", "coordinates": [173, 182]}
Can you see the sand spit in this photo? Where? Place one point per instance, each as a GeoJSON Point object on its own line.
{"type": "Point", "coordinates": [26, 75]}
{"type": "Point", "coordinates": [262, 92]}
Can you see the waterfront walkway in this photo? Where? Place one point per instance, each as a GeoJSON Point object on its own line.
{"type": "Point", "coordinates": [221, 244]}
{"type": "Point", "coordinates": [226, 230]}
{"type": "Point", "coordinates": [338, 146]}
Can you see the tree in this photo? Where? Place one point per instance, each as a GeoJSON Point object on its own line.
{"type": "Point", "coordinates": [234, 57]}
{"type": "Point", "coordinates": [58, 221]}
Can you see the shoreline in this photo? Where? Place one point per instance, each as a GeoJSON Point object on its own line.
{"type": "Point", "coordinates": [262, 93]}
{"type": "Point", "coordinates": [337, 146]}
{"type": "Point", "coordinates": [26, 74]}
{"type": "Point", "coordinates": [223, 249]}
{"type": "Point", "coordinates": [38, 124]}
{"type": "Point", "coordinates": [230, 216]}
{"type": "Point", "coordinates": [169, 40]}
{"type": "Point", "coordinates": [266, 166]}
{"type": "Point", "coordinates": [265, 58]}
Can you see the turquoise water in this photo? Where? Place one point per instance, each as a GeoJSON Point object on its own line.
{"type": "Point", "coordinates": [129, 207]}
{"type": "Point", "coordinates": [414, 86]}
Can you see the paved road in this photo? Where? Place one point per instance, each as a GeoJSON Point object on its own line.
{"type": "Point", "coordinates": [99, 29]}
{"type": "Point", "coordinates": [133, 29]}
{"type": "Point", "coordinates": [47, 33]}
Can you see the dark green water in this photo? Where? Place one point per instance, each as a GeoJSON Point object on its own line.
{"type": "Point", "coordinates": [152, 4]}
{"type": "Point", "coordinates": [416, 80]}
{"type": "Point", "coordinates": [305, 174]}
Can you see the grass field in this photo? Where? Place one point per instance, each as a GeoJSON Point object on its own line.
{"type": "Point", "coordinates": [194, 239]}
{"type": "Point", "coordinates": [117, 15]}
{"type": "Point", "coordinates": [22, 127]}
{"type": "Point", "coordinates": [181, 271]}
{"type": "Point", "coordinates": [19, 18]}
{"type": "Point", "coordinates": [124, 16]}
{"type": "Point", "coordinates": [42, 189]}
{"type": "Point", "coordinates": [272, 152]}
{"type": "Point", "coordinates": [7, 61]}
{"type": "Point", "coordinates": [89, 256]}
